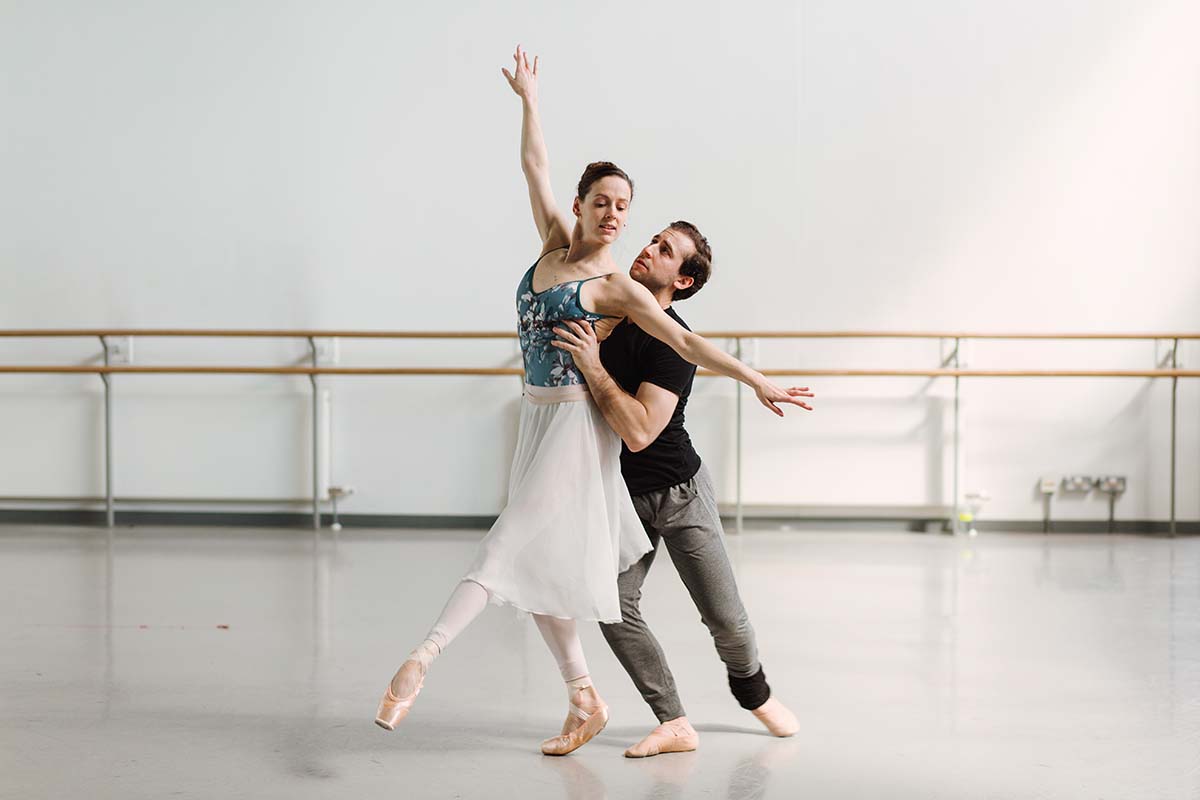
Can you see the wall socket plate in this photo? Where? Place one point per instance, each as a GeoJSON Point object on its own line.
{"type": "Point", "coordinates": [1048, 485]}
{"type": "Point", "coordinates": [1113, 484]}
{"type": "Point", "coordinates": [1077, 483]}
{"type": "Point", "coordinates": [120, 349]}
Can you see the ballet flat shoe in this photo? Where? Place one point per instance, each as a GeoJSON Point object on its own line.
{"type": "Point", "coordinates": [779, 720]}
{"type": "Point", "coordinates": [393, 709]}
{"type": "Point", "coordinates": [666, 738]}
{"type": "Point", "coordinates": [570, 742]}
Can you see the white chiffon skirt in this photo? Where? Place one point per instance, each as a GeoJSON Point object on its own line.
{"type": "Point", "coordinates": [569, 528]}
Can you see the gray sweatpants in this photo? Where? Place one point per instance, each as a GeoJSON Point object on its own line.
{"type": "Point", "coordinates": [685, 517]}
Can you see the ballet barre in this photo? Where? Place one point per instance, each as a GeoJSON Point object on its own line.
{"type": "Point", "coordinates": [950, 368]}
{"type": "Point", "coordinates": [825, 373]}
{"type": "Point", "coordinates": [350, 334]}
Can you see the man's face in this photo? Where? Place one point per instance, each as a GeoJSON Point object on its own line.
{"type": "Point", "coordinates": [657, 266]}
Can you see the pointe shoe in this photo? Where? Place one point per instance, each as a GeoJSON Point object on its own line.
{"type": "Point", "coordinates": [393, 709]}
{"type": "Point", "coordinates": [779, 720]}
{"type": "Point", "coordinates": [673, 736]}
{"type": "Point", "coordinates": [572, 740]}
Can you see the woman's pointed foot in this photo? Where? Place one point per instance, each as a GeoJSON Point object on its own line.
{"type": "Point", "coordinates": [400, 695]}
{"type": "Point", "coordinates": [586, 717]}
{"type": "Point", "coordinates": [590, 724]}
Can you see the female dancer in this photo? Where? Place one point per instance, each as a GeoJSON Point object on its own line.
{"type": "Point", "coordinates": [569, 528]}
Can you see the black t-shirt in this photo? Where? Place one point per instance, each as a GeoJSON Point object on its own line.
{"type": "Point", "coordinates": [634, 357]}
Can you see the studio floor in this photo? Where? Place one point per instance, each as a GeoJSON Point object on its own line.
{"type": "Point", "coordinates": [237, 662]}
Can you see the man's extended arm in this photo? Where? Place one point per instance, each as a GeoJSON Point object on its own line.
{"type": "Point", "coordinates": [637, 420]}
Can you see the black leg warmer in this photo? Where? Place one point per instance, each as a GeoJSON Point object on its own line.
{"type": "Point", "coordinates": [750, 692]}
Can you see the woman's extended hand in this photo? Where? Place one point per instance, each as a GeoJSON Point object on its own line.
{"type": "Point", "coordinates": [769, 394]}
{"type": "Point", "coordinates": [524, 83]}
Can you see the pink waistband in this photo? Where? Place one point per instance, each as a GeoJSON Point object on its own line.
{"type": "Point", "coordinates": [548, 395]}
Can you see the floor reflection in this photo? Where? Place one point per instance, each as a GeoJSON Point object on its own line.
{"type": "Point", "coordinates": [158, 660]}
{"type": "Point", "coordinates": [668, 775]}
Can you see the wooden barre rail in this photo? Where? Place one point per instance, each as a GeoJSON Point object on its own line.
{"type": "Point", "coordinates": [106, 370]}
{"type": "Point", "coordinates": [882, 373]}
{"type": "Point", "coordinates": [332, 334]}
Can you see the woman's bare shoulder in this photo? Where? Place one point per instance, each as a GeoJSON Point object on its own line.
{"type": "Point", "coordinates": [618, 282]}
{"type": "Point", "coordinates": [615, 292]}
{"type": "Point", "coordinates": [619, 286]}
{"type": "Point", "coordinates": [553, 255]}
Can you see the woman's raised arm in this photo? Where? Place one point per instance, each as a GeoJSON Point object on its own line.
{"type": "Point", "coordinates": [552, 224]}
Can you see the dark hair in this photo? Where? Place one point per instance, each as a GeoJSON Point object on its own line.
{"type": "Point", "coordinates": [697, 266]}
{"type": "Point", "coordinates": [597, 170]}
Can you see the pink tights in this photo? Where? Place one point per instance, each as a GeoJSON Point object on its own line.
{"type": "Point", "coordinates": [468, 600]}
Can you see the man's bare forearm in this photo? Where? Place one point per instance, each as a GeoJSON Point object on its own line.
{"type": "Point", "coordinates": [623, 412]}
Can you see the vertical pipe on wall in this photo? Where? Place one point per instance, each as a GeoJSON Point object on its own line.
{"type": "Point", "coordinates": [316, 453]}
{"type": "Point", "coordinates": [1174, 400]}
{"type": "Point", "coordinates": [954, 500]}
{"type": "Point", "coordinates": [326, 438]}
{"type": "Point", "coordinates": [738, 454]}
{"type": "Point", "coordinates": [109, 511]}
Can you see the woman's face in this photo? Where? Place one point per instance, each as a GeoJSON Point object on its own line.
{"type": "Point", "coordinates": [601, 215]}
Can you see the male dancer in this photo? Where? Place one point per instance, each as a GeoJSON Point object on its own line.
{"type": "Point", "coordinates": [641, 386]}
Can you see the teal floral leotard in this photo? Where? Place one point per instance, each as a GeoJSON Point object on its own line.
{"type": "Point", "coordinates": [538, 313]}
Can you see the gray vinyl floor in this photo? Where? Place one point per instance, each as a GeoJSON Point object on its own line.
{"type": "Point", "coordinates": [222, 663]}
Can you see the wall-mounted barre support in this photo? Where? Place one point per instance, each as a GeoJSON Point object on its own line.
{"type": "Point", "coordinates": [738, 449]}
{"type": "Point", "coordinates": [109, 512]}
{"type": "Point", "coordinates": [316, 453]}
{"type": "Point", "coordinates": [1174, 399]}
{"type": "Point", "coordinates": [954, 501]}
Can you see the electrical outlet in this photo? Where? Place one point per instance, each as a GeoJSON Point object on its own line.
{"type": "Point", "coordinates": [1112, 484]}
{"type": "Point", "coordinates": [1048, 485]}
{"type": "Point", "coordinates": [1077, 483]}
{"type": "Point", "coordinates": [120, 349]}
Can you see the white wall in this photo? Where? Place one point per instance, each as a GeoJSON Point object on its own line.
{"type": "Point", "coordinates": [1021, 166]}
